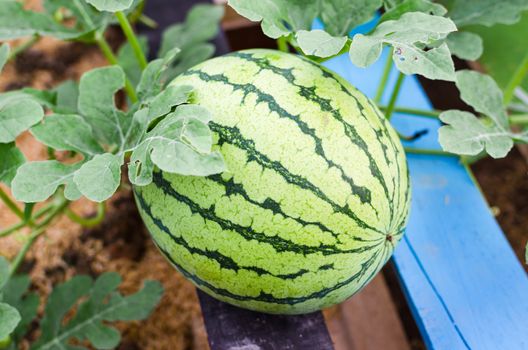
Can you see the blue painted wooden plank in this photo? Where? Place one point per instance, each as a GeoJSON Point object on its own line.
{"type": "Point", "coordinates": [465, 286]}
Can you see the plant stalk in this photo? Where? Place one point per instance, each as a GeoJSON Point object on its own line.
{"type": "Point", "coordinates": [384, 78]}
{"type": "Point", "coordinates": [516, 80]}
{"type": "Point", "coordinates": [434, 152]}
{"type": "Point", "coordinates": [132, 38]}
{"type": "Point", "coordinates": [394, 95]}
{"type": "Point", "coordinates": [10, 204]}
{"type": "Point", "coordinates": [282, 44]}
{"type": "Point", "coordinates": [34, 235]}
{"type": "Point", "coordinates": [23, 47]}
{"type": "Point", "coordinates": [112, 59]}
{"type": "Point", "coordinates": [434, 114]}
{"type": "Point", "coordinates": [19, 225]}
{"type": "Point", "coordinates": [88, 222]}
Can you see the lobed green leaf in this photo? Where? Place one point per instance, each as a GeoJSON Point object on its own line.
{"type": "Point", "coordinates": [482, 93]}
{"type": "Point", "coordinates": [111, 5]}
{"type": "Point", "coordinates": [15, 293]}
{"type": "Point", "coordinates": [9, 319]}
{"type": "Point", "coordinates": [279, 17]}
{"type": "Point", "coordinates": [485, 12]}
{"type": "Point", "coordinates": [319, 43]}
{"type": "Point", "coordinates": [341, 16]}
{"type": "Point", "coordinates": [410, 35]}
{"type": "Point", "coordinates": [37, 181]}
{"type": "Point", "coordinates": [397, 10]}
{"type": "Point", "coordinates": [99, 178]}
{"type": "Point", "coordinates": [465, 45]}
{"type": "Point", "coordinates": [67, 132]}
{"type": "Point", "coordinates": [466, 134]}
{"type": "Point", "coordinates": [103, 304]}
{"type": "Point", "coordinates": [11, 158]}
{"type": "Point", "coordinates": [16, 116]}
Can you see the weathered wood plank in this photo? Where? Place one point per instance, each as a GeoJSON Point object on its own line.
{"type": "Point", "coordinates": [232, 328]}
{"type": "Point", "coordinates": [370, 320]}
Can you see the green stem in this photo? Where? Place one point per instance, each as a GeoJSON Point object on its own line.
{"type": "Point", "coordinates": [33, 236]}
{"type": "Point", "coordinates": [413, 111]}
{"type": "Point", "coordinates": [282, 44]}
{"type": "Point", "coordinates": [473, 178]}
{"type": "Point", "coordinates": [21, 224]}
{"type": "Point", "coordinates": [23, 47]}
{"type": "Point", "coordinates": [434, 152]}
{"type": "Point", "coordinates": [112, 59]}
{"type": "Point", "coordinates": [384, 78]}
{"type": "Point", "coordinates": [88, 222]}
{"type": "Point", "coordinates": [149, 22]}
{"type": "Point", "coordinates": [394, 95]}
{"type": "Point", "coordinates": [516, 80]}
{"type": "Point", "coordinates": [519, 119]}
{"type": "Point", "coordinates": [10, 204]}
{"type": "Point", "coordinates": [132, 38]}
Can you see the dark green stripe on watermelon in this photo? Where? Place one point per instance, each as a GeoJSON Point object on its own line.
{"type": "Point", "coordinates": [278, 243]}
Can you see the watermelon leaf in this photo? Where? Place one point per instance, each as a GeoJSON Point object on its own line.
{"type": "Point", "coordinates": [67, 132]}
{"type": "Point", "coordinates": [485, 12]}
{"type": "Point", "coordinates": [111, 5]}
{"type": "Point", "coordinates": [180, 143]}
{"type": "Point", "coordinates": [341, 16]}
{"type": "Point", "coordinates": [468, 135]}
{"type": "Point", "coordinates": [15, 293]}
{"type": "Point", "coordinates": [9, 319]}
{"type": "Point", "coordinates": [397, 10]}
{"type": "Point", "coordinates": [103, 304]}
{"type": "Point", "coordinates": [319, 43]}
{"type": "Point", "coordinates": [10, 160]}
{"type": "Point", "coordinates": [481, 92]}
{"type": "Point", "coordinates": [201, 25]}
{"type": "Point", "coordinates": [410, 36]}
{"type": "Point", "coordinates": [16, 116]}
{"type": "Point", "coordinates": [37, 181]}
{"type": "Point", "coordinates": [279, 17]}
{"type": "Point", "coordinates": [98, 178]}
{"type": "Point", "coordinates": [97, 105]}
{"type": "Point", "coordinates": [4, 55]}
{"type": "Point", "coordinates": [465, 45]}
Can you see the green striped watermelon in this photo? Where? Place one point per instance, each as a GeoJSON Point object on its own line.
{"type": "Point", "coordinates": [316, 194]}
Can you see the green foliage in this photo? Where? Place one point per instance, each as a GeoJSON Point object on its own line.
{"type": "Point", "coordinates": [111, 5]}
{"type": "Point", "coordinates": [341, 16]}
{"type": "Point", "coordinates": [410, 36]}
{"type": "Point", "coordinates": [100, 303]}
{"type": "Point", "coordinates": [504, 50]}
{"type": "Point", "coordinates": [319, 43]}
{"type": "Point", "coordinates": [17, 307]}
{"type": "Point", "coordinates": [467, 134]}
{"type": "Point", "coordinates": [96, 304]}
{"type": "Point", "coordinates": [279, 17]}
{"type": "Point", "coordinates": [4, 55]}
{"type": "Point", "coordinates": [397, 10]}
{"type": "Point", "coordinates": [17, 116]}
{"type": "Point", "coordinates": [10, 159]}
{"type": "Point", "coordinates": [191, 37]}
{"type": "Point", "coordinates": [485, 12]}
{"type": "Point", "coordinates": [465, 45]}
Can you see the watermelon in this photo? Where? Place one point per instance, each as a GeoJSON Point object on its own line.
{"type": "Point", "coordinates": [315, 198]}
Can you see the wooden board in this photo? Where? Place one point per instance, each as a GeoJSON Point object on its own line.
{"type": "Point", "coordinates": [465, 286]}
{"type": "Point", "coordinates": [367, 321]}
{"type": "Point", "coordinates": [230, 328]}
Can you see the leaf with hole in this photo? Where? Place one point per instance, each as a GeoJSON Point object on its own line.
{"type": "Point", "coordinates": [278, 17]}
{"type": "Point", "coordinates": [410, 37]}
